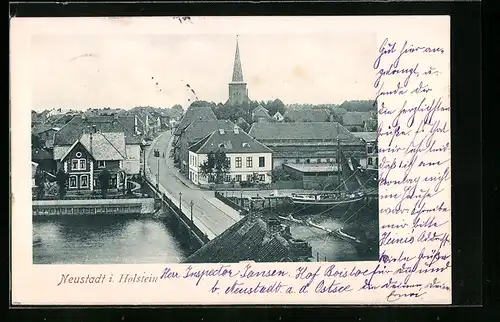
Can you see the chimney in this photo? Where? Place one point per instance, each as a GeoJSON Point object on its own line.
{"type": "Point", "coordinates": [236, 129]}
{"type": "Point", "coordinates": [221, 131]}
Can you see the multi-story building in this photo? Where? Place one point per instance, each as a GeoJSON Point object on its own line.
{"type": "Point", "coordinates": [80, 125]}
{"type": "Point", "coordinates": [370, 138]}
{"type": "Point", "coordinates": [307, 142]}
{"type": "Point", "coordinates": [249, 160]}
{"type": "Point", "coordinates": [89, 155]}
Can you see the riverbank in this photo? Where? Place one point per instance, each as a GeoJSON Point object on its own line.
{"type": "Point", "coordinates": [93, 206]}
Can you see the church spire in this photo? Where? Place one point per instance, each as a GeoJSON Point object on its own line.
{"type": "Point", "coordinates": [237, 71]}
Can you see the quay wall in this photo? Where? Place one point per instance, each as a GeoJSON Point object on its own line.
{"type": "Point", "coordinates": [187, 232]}
{"type": "Point", "coordinates": [93, 206]}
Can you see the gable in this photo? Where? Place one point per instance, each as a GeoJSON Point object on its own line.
{"type": "Point", "coordinates": [77, 151]}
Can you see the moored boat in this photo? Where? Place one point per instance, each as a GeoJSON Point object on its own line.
{"type": "Point", "coordinates": [326, 198]}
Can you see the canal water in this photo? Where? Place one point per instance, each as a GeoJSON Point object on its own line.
{"type": "Point", "coordinates": [136, 239]}
{"type": "Point", "coordinates": [116, 239]}
{"type": "Point", "coordinates": [359, 220]}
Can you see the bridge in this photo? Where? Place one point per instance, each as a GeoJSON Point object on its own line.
{"type": "Point", "coordinates": [197, 211]}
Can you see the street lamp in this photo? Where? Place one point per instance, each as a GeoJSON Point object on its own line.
{"type": "Point", "coordinates": [191, 204]}
{"type": "Point", "coordinates": [158, 174]}
{"type": "Point", "coordinates": [180, 201]}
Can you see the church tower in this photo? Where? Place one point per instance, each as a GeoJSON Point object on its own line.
{"type": "Point", "coordinates": [238, 92]}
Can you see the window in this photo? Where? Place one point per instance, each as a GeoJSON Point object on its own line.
{"type": "Point", "coordinates": [318, 161]}
{"type": "Point", "coordinates": [72, 181]}
{"type": "Point", "coordinates": [227, 178]}
{"type": "Point", "coordinates": [83, 164]}
{"type": "Point", "coordinates": [101, 164]}
{"type": "Point", "coordinates": [238, 162]}
{"type": "Point", "coordinates": [376, 161]}
{"type": "Point", "coordinates": [249, 162]}
{"type": "Point", "coordinates": [229, 161]}
{"type": "Point", "coordinates": [262, 177]}
{"type": "Point", "coordinates": [370, 161]}
{"type": "Point", "coordinates": [327, 160]}
{"type": "Point", "coordinates": [238, 177]}
{"type": "Point", "coordinates": [297, 160]}
{"type": "Point", "coordinates": [308, 161]}
{"type": "Point", "coordinates": [262, 162]}
{"type": "Point", "coordinates": [74, 164]}
{"type": "Point", "coordinates": [370, 149]}
{"type": "Point", "coordinates": [84, 181]}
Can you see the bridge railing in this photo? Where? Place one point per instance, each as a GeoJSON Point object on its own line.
{"type": "Point", "coordinates": [200, 235]}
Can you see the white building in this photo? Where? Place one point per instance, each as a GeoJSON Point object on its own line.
{"type": "Point", "coordinates": [278, 117]}
{"type": "Point", "coordinates": [248, 158]}
{"type": "Point", "coordinates": [371, 160]}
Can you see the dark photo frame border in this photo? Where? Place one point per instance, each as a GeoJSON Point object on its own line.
{"type": "Point", "coordinates": [467, 234]}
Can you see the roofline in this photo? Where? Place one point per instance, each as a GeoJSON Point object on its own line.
{"type": "Point", "coordinates": [207, 137]}
{"type": "Point", "coordinates": [73, 146]}
{"type": "Point", "coordinates": [114, 147]}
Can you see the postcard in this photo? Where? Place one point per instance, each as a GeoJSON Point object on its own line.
{"type": "Point", "coordinates": [231, 160]}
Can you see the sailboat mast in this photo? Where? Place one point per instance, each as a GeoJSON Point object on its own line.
{"type": "Point", "coordinates": [339, 166]}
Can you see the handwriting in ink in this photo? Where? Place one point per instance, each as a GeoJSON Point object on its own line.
{"type": "Point", "coordinates": [395, 296]}
{"type": "Point", "coordinates": [198, 274]}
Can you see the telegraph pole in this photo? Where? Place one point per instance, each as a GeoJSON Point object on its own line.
{"type": "Point", "coordinates": [180, 201]}
{"type": "Point", "coordinates": [191, 204]}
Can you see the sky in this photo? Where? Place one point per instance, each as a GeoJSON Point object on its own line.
{"type": "Point", "coordinates": [125, 68]}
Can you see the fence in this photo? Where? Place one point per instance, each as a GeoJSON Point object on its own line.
{"type": "Point", "coordinates": [200, 235]}
{"type": "Point", "coordinates": [231, 203]}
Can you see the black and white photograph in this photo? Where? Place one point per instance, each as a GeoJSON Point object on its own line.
{"type": "Point", "coordinates": [195, 148]}
{"type": "Point", "coordinates": [233, 160]}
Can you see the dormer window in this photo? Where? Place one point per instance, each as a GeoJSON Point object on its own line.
{"type": "Point", "coordinates": [246, 145]}
{"type": "Point", "coordinates": [222, 145]}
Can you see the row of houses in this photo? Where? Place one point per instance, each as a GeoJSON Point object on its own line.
{"type": "Point", "coordinates": [266, 146]}
{"type": "Point", "coordinates": [147, 122]}
{"type": "Point", "coordinates": [354, 121]}
{"type": "Point", "coordinates": [88, 144]}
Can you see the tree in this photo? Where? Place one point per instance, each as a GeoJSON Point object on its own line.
{"type": "Point", "coordinates": [36, 143]}
{"type": "Point", "coordinates": [62, 178]}
{"type": "Point", "coordinates": [40, 183]}
{"type": "Point", "coordinates": [178, 110]}
{"type": "Point", "coordinates": [104, 177]}
{"type": "Point", "coordinates": [215, 167]}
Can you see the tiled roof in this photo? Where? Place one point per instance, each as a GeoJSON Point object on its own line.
{"type": "Point", "coordinates": [195, 114]}
{"type": "Point", "coordinates": [308, 115]}
{"type": "Point", "coordinates": [198, 130]}
{"type": "Point", "coordinates": [324, 131]}
{"type": "Point", "coordinates": [316, 168]}
{"type": "Point", "coordinates": [40, 128]}
{"type": "Point", "coordinates": [247, 239]}
{"type": "Point", "coordinates": [40, 154]}
{"type": "Point", "coordinates": [366, 136]}
{"type": "Point", "coordinates": [72, 131]}
{"type": "Point", "coordinates": [105, 146]}
{"type": "Point", "coordinates": [260, 111]}
{"type": "Point", "coordinates": [229, 141]}
{"type": "Point", "coordinates": [241, 120]}
{"type": "Point", "coordinates": [360, 106]}
{"type": "Point", "coordinates": [356, 118]}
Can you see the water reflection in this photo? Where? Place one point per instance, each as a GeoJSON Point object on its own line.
{"type": "Point", "coordinates": [117, 239]}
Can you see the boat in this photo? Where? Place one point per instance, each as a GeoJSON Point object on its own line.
{"type": "Point", "coordinates": [334, 197]}
{"type": "Point", "coordinates": [326, 198]}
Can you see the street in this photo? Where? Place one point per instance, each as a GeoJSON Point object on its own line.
{"type": "Point", "coordinates": [210, 214]}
